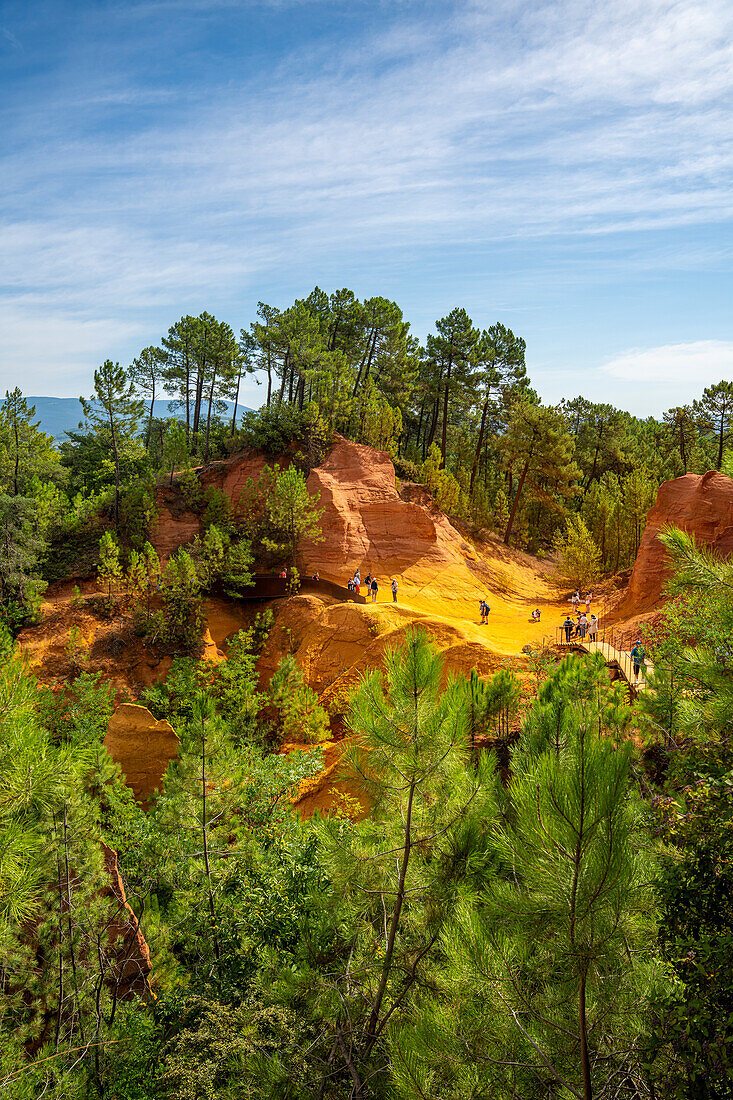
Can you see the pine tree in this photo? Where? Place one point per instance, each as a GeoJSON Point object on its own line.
{"type": "Point", "coordinates": [292, 514]}
{"type": "Point", "coordinates": [109, 568]}
{"type": "Point", "coordinates": [714, 414]}
{"type": "Point", "coordinates": [578, 557]}
{"type": "Point", "coordinates": [538, 449]}
{"type": "Point", "coordinates": [548, 977]}
{"type": "Point", "coordinates": [113, 408]}
{"type": "Point", "coordinates": [146, 374]}
{"type": "Point", "coordinates": [25, 452]}
{"type": "Point", "coordinates": [394, 877]}
{"type": "Point", "coordinates": [302, 718]}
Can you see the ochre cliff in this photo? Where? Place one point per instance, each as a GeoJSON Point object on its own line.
{"type": "Point", "coordinates": [142, 746]}
{"type": "Point", "coordinates": [366, 522]}
{"type": "Point", "coordinates": [702, 505]}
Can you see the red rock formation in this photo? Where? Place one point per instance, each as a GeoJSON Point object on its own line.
{"type": "Point", "coordinates": [132, 966]}
{"type": "Point", "coordinates": [366, 523]}
{"type": "Point", "coordinates": [699, 504]}
{"type": "Point", "coordinates": [142, 746]}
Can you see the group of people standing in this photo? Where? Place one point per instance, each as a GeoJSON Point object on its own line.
{"type": "Point", "coordinates": [578, 629]}
{"type": "Point", "coordinates": [585, 622]}
{"type": "Point", "coordinates": [371, 585]}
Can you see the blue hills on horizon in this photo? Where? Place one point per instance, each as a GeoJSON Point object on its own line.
{"type": "Point", "coordinates": [59, 415]}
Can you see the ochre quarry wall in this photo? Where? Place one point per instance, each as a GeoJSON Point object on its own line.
{"type": "Point", "coordinates": [701, 504]}
{"type": "Point", "coordinates": [367, 523]}
{"type": "Point", "coordinates": [142, 746]}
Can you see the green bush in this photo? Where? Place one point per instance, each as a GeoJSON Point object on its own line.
{"type": "Point", "coordinates": [279, 429]}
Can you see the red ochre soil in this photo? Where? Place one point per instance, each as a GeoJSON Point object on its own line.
{"type": "Point", "coordinates": [702, 505]}
{"type": "Point", "coordinates": [373, 523]}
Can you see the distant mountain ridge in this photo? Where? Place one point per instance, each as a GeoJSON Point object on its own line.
{"type": "Point", "coordinates": [59, 415]}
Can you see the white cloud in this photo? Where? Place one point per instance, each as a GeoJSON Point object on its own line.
{"type": "Point", "coordinates": [687, 367]}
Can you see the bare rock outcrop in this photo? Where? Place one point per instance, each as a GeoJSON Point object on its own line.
{"type": "Point", "coordinates": [142, 746]}
{"type": "Point", "coordinates": [701, 504]}
{"type": "Point", "coordinates": [367, 523]}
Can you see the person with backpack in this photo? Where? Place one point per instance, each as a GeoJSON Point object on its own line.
{"type": "Point", "coordinates": [368, 581]}
{"type": "Point", "coordinates": [394, 590]}
{"type": "Point", "coordinates": [637, 656]}
{"type": "Point", "coordinates": [374, 588]}
{"type": "Point", "coordinates": [568, 626]}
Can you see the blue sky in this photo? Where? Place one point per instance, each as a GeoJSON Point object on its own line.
{"type": "Point", "coordinates": [563, 167]}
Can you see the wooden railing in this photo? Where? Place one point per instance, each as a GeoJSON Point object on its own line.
{"type": "Point", "coordinates": [269, 586]}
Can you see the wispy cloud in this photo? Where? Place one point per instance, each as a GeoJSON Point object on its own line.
{"type": "Point", "coordinates": [126, 195]}
{"type": "Point", "coordinates": [683, 367]}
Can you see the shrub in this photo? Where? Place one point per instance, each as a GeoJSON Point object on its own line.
{"type": "Point", "coordinates": [302, 718]}
{"type": "Point", "coordinates": [407, 469]}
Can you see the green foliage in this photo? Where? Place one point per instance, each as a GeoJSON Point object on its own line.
{"type": "Point", "coordinates": [182, 617]}
{"type": "Point", "coordinates": [394, 876]}
{"type": "Point", "coordinates": [548, 963]}
{"type": "Point", "coordinates": [137, 511]}
{"type": "Point", "coordinates": [278, 430]}
{"type": "Point", "coordinates": [109, 567]}
{"type": "Point", "coordinates": [578, 557]}
{"type": "Point", "coordinates": [301, 716]}
{"type": "Point", "coordinates": [538, 451]}
{"type": "Point", "coordinates": [279, 512]}
{"type": "Point", "coordinates": [27, 455]}
{"type": "Point", "coordinates": [21, 546]}
{"type": "Point", "coordinates": [222, 560]}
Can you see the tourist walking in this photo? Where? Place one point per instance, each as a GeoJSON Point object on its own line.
{"type": "Point", "coordinates": [375, 588]}
{"type": "Point", "coordinates": [582, 625]}
{"type": "Point", "coordinates": [592, 628]}
{"type": "Point", "coordinates": [575, 600]}
{"type": "Point", "coordinates": [588, 601]}
{"type": "Point", "coordinates": [637, 656]}
{"type": "Point", "coordinates": [568, 626]}
{"type": "Point", "coordinates": [394, 590]}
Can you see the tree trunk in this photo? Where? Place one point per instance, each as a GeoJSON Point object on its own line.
{"type": "Point", "coordinates": [282, 381]}
{"type": "Point", "coordinates": [150, 420]}
{"type": "Point", "coordinates": [117, 462]}
{"type": "Point", "coordinates": [368, 352]}
{"type": "Point", "coordinates": [583, 1026]}
{"type": "Point", "coordinates": [207, 866]}
{"type": "Point", "coordinates": [208, 415]}
{"type": "Point", "coordinates": [510, 524]}
{"type": "Point", "coordinates": [446, 394]}
{"type": "Point", "coordinates": [433, 426]}
{"type": "Point", "coordinates": [393, 928]}
{"type": "Point", "coordinates": [17, 456]}
{"type": "Point", "coordinates": [480, 443]}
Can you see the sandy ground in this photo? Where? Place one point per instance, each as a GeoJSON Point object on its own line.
{"type": "Point", "coordinates": [334, 642]}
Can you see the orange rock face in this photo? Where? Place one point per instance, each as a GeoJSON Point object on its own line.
{"type": "Point", "coordinates": [699, 504]}
{"type": "Point", "coordinates": [142, 746]}
{"type": "Point", "coordinates": [367, 524]}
